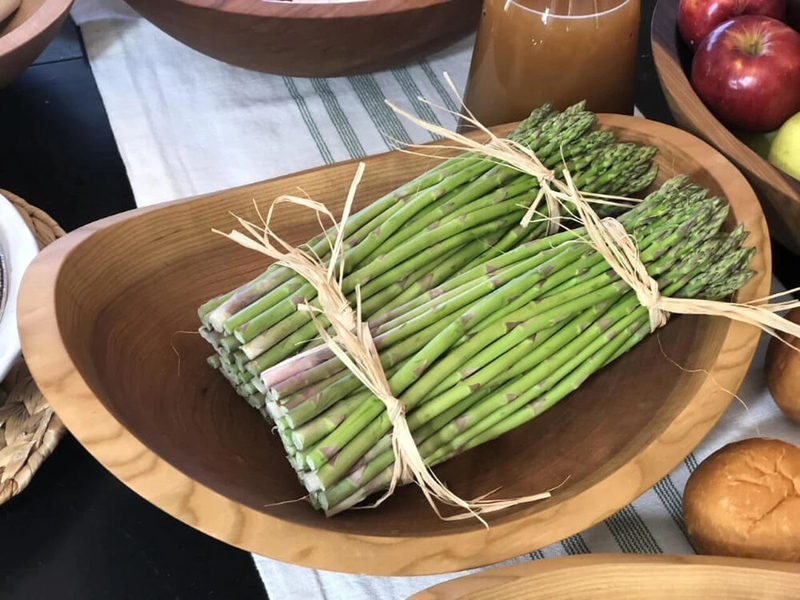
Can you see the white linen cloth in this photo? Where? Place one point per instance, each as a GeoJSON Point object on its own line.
{"type": "Point", "coordinates": [186, 124]}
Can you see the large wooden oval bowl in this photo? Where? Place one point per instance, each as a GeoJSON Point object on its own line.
{"type": "Point", "coordinates": [26, 33]}
{"type": "Point", "coordinates": [104, 314]}
{"type": "Point", "coordinates": [779, 193]}
{"type": "Point", "coordinates": [313, 40]}
{"type": "Point", "coordinates": [613, 576]}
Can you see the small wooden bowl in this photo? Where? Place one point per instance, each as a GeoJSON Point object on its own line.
{"type": "Point", "coordinates": [27, 32]}
{"type": "Point", "coordinates": [779, 193]}
{"type": "Point", "coordinates": [313, 40]}
{"type": "Point", "coordinates": [104, 312]}
{"type": "Point", "coordinates": [612, 576]}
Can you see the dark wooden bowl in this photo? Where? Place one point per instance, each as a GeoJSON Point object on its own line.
{"type": "Point", "coordinates": [779, 193]}
{"type": "Point", "coordinates": [313, 40]}
{"type": "Point", "coordinates": [100, 315]}
{"type": "Point", "coordinates": [26, 33]}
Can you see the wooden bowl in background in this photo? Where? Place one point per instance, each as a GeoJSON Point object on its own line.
{"type": "Point", "coordinates": [779, 193]}
{"type": "Point", "coordinates": [632, 577]}
{"type": "Point", "coordinates": [313, 40]}
{"type": "Point", "coordinates": [101, 312]}
{"type": "Point", "coordinates": [27, 32]}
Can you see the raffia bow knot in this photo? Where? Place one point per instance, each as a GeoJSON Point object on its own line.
{"type": "Point", "coordinates": [632, 271]}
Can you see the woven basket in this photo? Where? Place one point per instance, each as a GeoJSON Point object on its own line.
{"type": "Point", "coordinates": [29, 430]}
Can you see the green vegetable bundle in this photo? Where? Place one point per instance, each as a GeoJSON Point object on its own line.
{"type": "Point", "coordinates": [480, 323]}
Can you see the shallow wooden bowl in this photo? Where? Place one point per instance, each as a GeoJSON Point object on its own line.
{"type": "Point", "coordinates": [313, 40]}
{"type": "Point", "coordinates": [26, 33]}
{"type": "Point", "coordinates": [778, 192]}
{"type": "Point", "coordinates": [101, 316]}
{"type": "Point", "coordinates": [613, 576]}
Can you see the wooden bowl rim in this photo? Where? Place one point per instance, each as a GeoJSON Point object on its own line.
{"type": "Point", "coordinates": [34, 25]}
{"type": "Point", "coordinates": [666, 50]}
{"type": "Point", "coordinates": [289, 10]}
{"type": "Point", "coordinates": [635, 562]}
{"type": "Point", "coordinates": [164, 485]}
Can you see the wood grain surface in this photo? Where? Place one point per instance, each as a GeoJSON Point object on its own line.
{"type": "Point", "coordinates": [779, 193]}
{"type": "Point", "coordinates": [26, 33]}
{"type": "Point", "coordinates": [102, 313]}
{"type": "Point", "coordinates": [613, 576]}
{"type": "Point", "coordinates": [313, 40]}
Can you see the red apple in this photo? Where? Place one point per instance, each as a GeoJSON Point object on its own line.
{"type": "Point", "coordinates": [698, 18]}
{"type": "Point", "coordinates": [747, 71]}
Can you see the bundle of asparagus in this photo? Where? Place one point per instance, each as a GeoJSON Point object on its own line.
{"type": "Point", "coordinates": [462, 302]}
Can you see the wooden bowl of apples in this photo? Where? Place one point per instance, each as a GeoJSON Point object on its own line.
{"type": "Point", "coordinates": [313, 39]}
{"type": "Point", "coordinates": [730, 70]}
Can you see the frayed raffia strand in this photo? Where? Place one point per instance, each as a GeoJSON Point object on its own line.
{"type": "Point", "coordinates": [352, 343]}
{"type": "Point", "coordinates": [292, 501]}
{"type": "Point", "coordinates": [609, 238]}
{"type": "Point", "coordinates": [713, 379]}
{"type": "Point", "coordinates": [175, 349]}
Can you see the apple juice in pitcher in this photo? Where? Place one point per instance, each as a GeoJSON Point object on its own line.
{"type": "Point", "coordinates": [529, 52]}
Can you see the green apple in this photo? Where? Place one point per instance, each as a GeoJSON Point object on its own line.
{"type": "Point", "coordinates": [785, 150]}
{"type": "Point", "coordinates": [759, 143]}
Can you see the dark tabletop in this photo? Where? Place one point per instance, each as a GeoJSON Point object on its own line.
{"type": "Point", "coordinates": [76, 531]}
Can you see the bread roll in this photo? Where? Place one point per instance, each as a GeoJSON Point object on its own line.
{"type": "Point", "coordinates": [783, 371]}
{"type": "Point", "coordinates": [744, 500]}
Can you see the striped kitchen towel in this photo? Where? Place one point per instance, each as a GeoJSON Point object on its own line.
{"type": "Point", "coordinates": [186, 124]}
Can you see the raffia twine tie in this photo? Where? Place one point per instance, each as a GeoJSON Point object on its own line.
{"type": "Point", "coordinates": [636, 276]}
{"type": "Point", "coordinates": [351, 342]}
{"type": "Point", "coordinates": [609, 238]}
